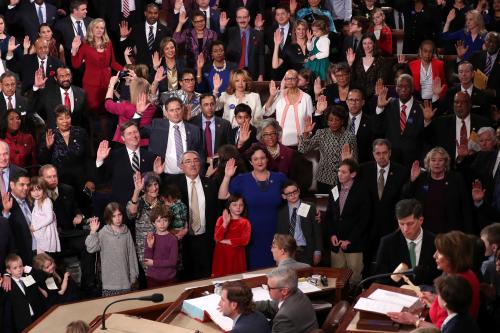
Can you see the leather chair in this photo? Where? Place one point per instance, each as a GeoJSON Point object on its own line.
{"type": "Point", "coordinates": [335, 317]}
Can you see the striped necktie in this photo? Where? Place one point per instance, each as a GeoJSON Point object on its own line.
{"type": "Point", "coordinates": [135, 162]}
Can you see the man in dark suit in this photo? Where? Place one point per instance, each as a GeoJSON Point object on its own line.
{"type": "Point", "coordinates": [410, 244]}
{"type": "Point", "coordinates": [245, 134]}
{"type": "Point", "coordinates": [231, 7]}
{"type": "Point", "coordinates": [384, 180]}
{"type": "Point", "coordinates": [298, 219]}
{"type": "Point", "coordinates": [359, 25]}
{"type": "Point", "coordinates": [488, 61]}
{"type": "Point", "coordinates": [285, 27]}
{"type": "Point", "coordinates": [212, 14]}
{"type": "Point", "coordinates": [480, 101]}
{"type": "Point", "coordinates": [244, 45]}
{"type": "Point", "coordinates": [236, 303]}
{"type": "Point", "coordinates": [401, 121]}
{"type": "Point", "coordinates": [18, 212]}
{"type": "Point", "coordinates": [117, 11]}
{"type": "Point", "coordinates": [170, 137]}
{"type": "Point", "coordinates": [453, 132]}
{"type": "Point", "coordinates": [199, 194]}
{"type": "Point", "coordinates": [9, 98]}
{"type": "Point", "coordinates": [29, 15]}
{"type": "Point", "coordinates": [145, 37]}
{"type": "Point", "coordinates": [30, 63]}
{"type": "Point", "coordinates": [216, 131]}
{"type": "Point", "coordinates": [45, 99]}
{"type": "Point", "coordinates": [171, 10]}
{"type": "Point", "coordinates": [290, 310]}
{"type": "Point", "coordinates": [7, 169]}
{"type": "Point", "coordinates": [122, 163]}
{"type": "Point", "coordinates": [347, 218]}
{"type": "Point", "coordinates": [360, 124]}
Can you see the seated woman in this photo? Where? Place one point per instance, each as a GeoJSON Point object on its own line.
{"type": "Point", "coordinates": [338, 84]}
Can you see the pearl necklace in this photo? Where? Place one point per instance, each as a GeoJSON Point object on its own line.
{"type": "Point", "coordinates": [218, 70]}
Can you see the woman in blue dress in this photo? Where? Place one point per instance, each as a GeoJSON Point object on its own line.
{"type": "Point", "coordinates": [261, 190]}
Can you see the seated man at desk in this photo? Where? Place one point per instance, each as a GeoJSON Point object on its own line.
{"type": "Point", "coordinates": [236, 303]}
{"type": "Point", "coordinates": [284, 248]}
{"type": "Point", "coordinates": [290, 310]}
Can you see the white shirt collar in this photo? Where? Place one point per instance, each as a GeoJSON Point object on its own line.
{"type": "Point", "coordinates": [468, 90]}
{"type": "Point", "coordinates": [417, 240]}
{"type": "Point", "coordinates": [130, 151]}
{"type": "Point", "coordinates": [196, 180]}
{"type": "Point", "coordinates": [386, 168]}
{"type": "Point", "coordinates": [155, 25]}
{"type": "Point", "coordinates": [447, 319]}
{"type": "Point", "coordinates": [286, 26]}
{"type": "Point", "coordinates": [69, 91]}
{"type": "Point", "coordinates": [180, 124]}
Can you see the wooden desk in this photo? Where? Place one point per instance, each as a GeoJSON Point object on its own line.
{"type": "Point", "coordinates": [56, 319]}
{"type": "Point", "coordinates": [348, 324]}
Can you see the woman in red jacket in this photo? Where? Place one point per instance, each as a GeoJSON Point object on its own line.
{"type": "Point", "coordinates": [97, 53]}
{"type": "Point", "coordinates": [382, 32]}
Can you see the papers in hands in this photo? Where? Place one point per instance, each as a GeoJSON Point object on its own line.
{"type": "Point", "coordinates": [370, 305]}
{"type": "Point", "coordinates": [28, 280]}
{"type": "Point", "coordinates": [51, 284]}
{"type": "Point", "coordinates": [392, 297]}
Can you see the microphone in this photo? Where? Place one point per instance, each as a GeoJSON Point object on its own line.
{"type": "Point", "coordinates": [156, 298]}
{"type": "Point", "coordinates": [410, 272]}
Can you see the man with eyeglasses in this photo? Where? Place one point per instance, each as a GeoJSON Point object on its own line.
{"type": "Point", "coordinates": [360, 124]}
{"type": "Point", "coordinates": [190, 98]}
{"type": "Point", "coordinates": [359, 25]}
{"type": "Point", "coordinates": [298, 219]}
{"type": "Point", "coordinates": [289, 310]}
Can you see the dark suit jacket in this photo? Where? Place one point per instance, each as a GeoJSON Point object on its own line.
{"type": "Point", "coordinates": [352, 224]}
{"type": "Point", "coordinates": [113, 14]}
{"type": "Point", "coordinates": [461, 323]}
{"type": "Point", "coordinates": [310, 228]}
{"type": "Point", "coordinates": [296, 314]}
{"type": "Point", "coordinates": [478, 60]}
{"type": "Point", "coordinates": [66, 208]}
{"type": "Point", "coordinates": [66, 32]}
{"type": "Point", "coordinates": [6, 241]}
{"type": "Point", "coordinates": [393, 250]}
{"type": "Point", "coordinates": [21, 104]}
{"type": "Point", "coordinates": [406, 147]}
{"type": "Point", "coordinates": [44, 102]}
{"type": "Point", "coordinates": [29, 65]}
{"type": "Point", "coordinates": [364, 138]}
{"type": "Point", "coordinates": [250, 323]}
{"type": "Point", "coordinates": [21, 232]}
{"type": "Point", "coordinates": [255, 49]}
{"type": "Point", "coordinates": [480, 101]}
{"type": "Point", "coordinates": [222, 131]}
{"type": "Point", "coordinates": [158, 137]}
{"type": "Point", "coordinates": [19, 303]}
{"type": "Point", "coordinates": [251, 140]}
{"type": "Point", "coordinates": [137, 40]}
{"type": "Point", "coordinates": [117, 168]}
{"type": "Point", "coordinates": [442, 131]}
{"type": "Point", "coordinates": [269, 30]}
{"type": "Point", "coordinates": [383, 219]}
{"type": "Point", "coordinates": [231, 6]}
{"type": "Point", "coordinates": [25, 16]}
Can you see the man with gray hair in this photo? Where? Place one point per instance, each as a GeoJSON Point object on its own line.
{"type": "Point", "coordinates": [7, 169]}
{"type": "Point", "coordinates": [487, 139]}
{"type": "Point", "coordinates": [289, 310]}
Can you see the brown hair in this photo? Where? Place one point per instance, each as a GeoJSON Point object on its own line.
{"type": "Point", "coordinates": [161, 211]}
{"type": "Point", "coordinates": [456, 291]}
{"type": "Point", "coordinates": [38, 183]}
{"type": "Point", "coordinates": [39, 261]}
{"type": "Point", "coordinates": [138, 86]}
{"type": "Point", "coordinates": [78, 326]}
{"type": "Point", "coordinates": [286, 243]}
{"type": "Point", "coordinates": [246, 77]}
{"type": "Point", "coordinates": [241, 294]}
{"type": "Point", "coordinates": [492, 233]}
{"type": "Point", "coordinates": [110, 209]}
{"type": "Point", "coordinates": [456, 247]}
{"type": "Point", "coordinates": [12, 257]}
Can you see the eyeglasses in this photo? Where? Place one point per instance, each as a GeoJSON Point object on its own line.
{"type": "Point", "coordinates": [199, 21]}
{"type": "Point", "coordinates": [289, 194]}
{"type": "Point", "coordinates": [266, 286]}
{"type": "Point", "coordinates": [195, 161]}
{"type": "Point", "coordinates": [242, 17]}
{"type": "Point", "coordinates": [269, 135]}
{"type": "Point", "coordinates": [188, 80]}
{"type": "Point", "coordinates": [354, 100]}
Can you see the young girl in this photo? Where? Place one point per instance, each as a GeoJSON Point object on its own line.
{"type": "Point", "coordinates": [232, 234]}
{"type": "Point", "coordinates": [381, 31]}
{"type": "Point", "coordinates": [119, 267]}
{"type": "Point", "coordinates": [318, 45]}
{"type": "Point", "coordinates": [160, 254]}
{"type": "Point", "coordinates": [43, 219]}
{"type": "Point", "coordinates": [59, 290]}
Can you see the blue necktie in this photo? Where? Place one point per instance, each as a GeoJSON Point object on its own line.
{"type": "Point", "coordinates": [40, 15]}
{"type": "Point", "coordinates": [79, 29]}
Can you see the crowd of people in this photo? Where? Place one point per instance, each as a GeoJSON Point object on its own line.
{"type": "Point", "coordinates": [164, 141]}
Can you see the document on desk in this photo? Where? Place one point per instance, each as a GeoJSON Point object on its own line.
{"type": "Point", "coordinates": [370, 305]}
{"type": "Point", "coordinates": [260, 294]}
{"type": "Point", "coordinates": [307, 287]}
{"type": "Point", "coordinates": [393, 297]}
{"type": "Point", "coordinates": [197, 308]}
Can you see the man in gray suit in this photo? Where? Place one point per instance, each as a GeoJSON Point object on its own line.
{"type": "Point", "coordinates": [290, 310]}
{"type": "Point", "coordinates": [283, 249]}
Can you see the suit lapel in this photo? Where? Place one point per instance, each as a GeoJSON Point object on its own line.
{"type": "Point", "coordinates": [217, 133]}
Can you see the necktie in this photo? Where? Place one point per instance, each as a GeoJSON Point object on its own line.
{"type": "Point", "coordinates": [402, 118]}
{"type": "Point", "coordinates": [178, 144]}
{"type": "Point", "coordinates": [2, 183]}
{"type": "Point", "coordinates": [243, 55]}
{"type": "Point", "coordinates": [206, 19]}
{"type": "Point", "coordinates": [463, 134]}
{"type": "Point", "coordinates": [9, 103]}
{"type": "Point", "coordinates": [135, 162]}
{"type": "Point", "coordinates": [151, 38]}
{"type": "Point", "coordinates": [237, 137]}
{"type": "Point", "coordinates": [42, 66]}
{"type": "Point", "coordinates": [79, 29]}
{"type": "Point", "coordinates": [489, 65]}
{"type": "Point", "coordinates": [400, 21]}
{"type": "Point", "coordinates": [413, 255]}
{"type": "Point", "coordinates": [40, 15]}
{"type": "Point", "coordinates": [380, 183]}
{"type": "Point", "coordinates": [208, 138]}
{"type": "Point", "coordinates": [293, 222]}
{"type": "Point", "coordinates": [194, 208]}
{"type": "Point", "coordinates": [355, 45]}
{"type": "Point", "coordinates": [282, 33]}
{"type": "Point", "coordinates": [67, 101]}
{"type": "Point", "coordinates": [53, 195]}
{"type": "Point", "coordinates": [342, 198]}
{"type": "Point", "coordinates": [126, 10]}
{"type": "Point", "coordinates": [352, 126]}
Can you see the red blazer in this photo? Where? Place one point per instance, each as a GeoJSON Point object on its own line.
{"type": "Point", "coordinates": [437, 71]}
{"type": "Point", "coordinates": [125, 111]}
{"type": "Point", "coordinates": [22, 149]}
{"type": "Point", "coordinates": [385, 40]}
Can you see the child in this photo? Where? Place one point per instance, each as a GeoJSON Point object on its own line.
{"type": "Point", "coordinates": [59, 290]}
{"type": "Point", "coordinates": [490, 235]}
{"type": "Point", "coordinates": [25, 300]}
{"type": "Point", "coordinates": [319, 47]}
{"type": "Point", "coordinates": [119, 267]}
{"type": "Point", "coordinates": [44, 225]}
{"type": "Point", "coordinates": [244, 135]}
{"type": "Point", "coordinates": [160, 254]}
{"type": "Point", "coordinates": [232, 234]}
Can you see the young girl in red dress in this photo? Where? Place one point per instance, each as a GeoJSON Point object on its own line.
{"type": "Point", "coordinates": [232, 234]}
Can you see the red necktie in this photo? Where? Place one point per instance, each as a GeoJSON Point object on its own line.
{"type": "Point", "coordinates": [243, 50]}
{"type": "Point", "coordinates": [463, 134]}
{"type": "Point", "coordinates": [208, 139]}
{"type": "Point", "coordinates": [67, 102]}
{"type": "Point", "coordinates": [402, 118]}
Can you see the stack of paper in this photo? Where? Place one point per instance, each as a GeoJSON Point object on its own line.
{"type": "Point", "coordinates": [206, 307]}
{"type": "Point", "coordinates": [384, 301]}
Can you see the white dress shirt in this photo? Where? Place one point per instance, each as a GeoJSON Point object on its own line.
{"type": "Point", "coordinates": [468, 90]}
{"type": "Point", "coordinates": [386, 173]}
{"type": "Point", "coordinates": [408, 104]}
{"type": "Point", "coordinates": [12, 100]}
{"type": "Point", "coordinates": [138, 153]}
{"type": "Point", "coordinates": [418, 245]}
{"type": "Point", "coordinates": [44, 64]}
{"type": "Point", "coordinates": [71, 97]}
{"type": "Point", "coordinates": [426, 82]}
{"type": "Point", "coordinates": [170, 154]}
{"type": "Point", "coordinates": [155, 27]}
{"type": "Point", "coordinates": [201, 201]}
{"type": "Point", "coordinates": [75, 26]}
{"type": "Point", "coordinates": [131, 5]}
{"type": "Point", "coordinates": [207, 15]}
{"type": "Point", "coordinates": [44, 11]}
{"type": "Point", "coordinates": [285, 27]}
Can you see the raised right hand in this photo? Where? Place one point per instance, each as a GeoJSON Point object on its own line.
{"type": "Point", "coordinates": [11, 46]}
{"type": "Point", "coordinates": [277, 37]}
{"type": "Point", "coordinates": [382, 100]}
{"type": "Point", "coordinates": [6, 202]}
{"type": "Point", "coordinates": [273, 90]}
{"type": "Point", "coordinates": [124, 29]}
{"type": "Point", "coordinates": [350, 56]}
{"type": "Point", "coordinates": [226, 217]}
{"type": "Point", "coordinates": [223, 20]}
{"type": "Point", "coordinates": [451, 15]}
{"type": "Point", "coordinates": [75, 44]}
{"type": "Point", "coordinates": [217, 81]}
{"type": "Point", "coordinates": [150, 239]}
{"type": "Point", "coordinates": [39, 79]}
{"type": "Point", "coordinates": [103, 150]}
{"type": "Point", "coordinates": [49, 138]}
{"type": "Point", "coordinates": [94, 224]}
{"type": "Point", "coordinates": [138, 181]}
{"type": "Point", "coordinates": [230, 169]}
{"type": "Point", "coordinates": [415, 171]}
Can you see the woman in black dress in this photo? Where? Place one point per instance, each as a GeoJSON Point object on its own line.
{"type": "Point", "coordinates": [292, 56]}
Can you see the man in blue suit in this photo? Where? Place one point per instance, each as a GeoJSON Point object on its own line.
{"type": "Point", "coordinates": [236, 303]}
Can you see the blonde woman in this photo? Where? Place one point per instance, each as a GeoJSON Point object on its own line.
{"type": "Point", "coordinates": [471, 38]}
{"type": "Point", "coordinates": [382, 32]}
{"type": "Point", "coordinates": [238, 92]}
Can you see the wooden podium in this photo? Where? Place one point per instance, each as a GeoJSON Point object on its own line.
{"type": "Point", "coordinates": [120, 323]}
